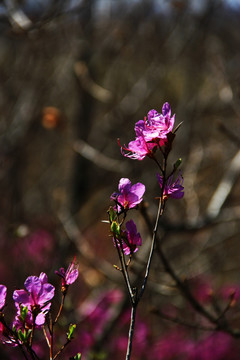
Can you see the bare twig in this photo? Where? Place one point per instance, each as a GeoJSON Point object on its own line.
{"type": "Point", "coordinates": [224, 188]}
{"type": "Point", "coordinates": [98, 158]}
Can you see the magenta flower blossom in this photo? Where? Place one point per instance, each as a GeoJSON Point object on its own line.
{"type": "Point", "coordinates": [36, 297]}
{"type": "Point", "coordinates": [172, 189]}
{"type": "Point", "coordinates": [150, 134]}
{"type": "Point", "coordinates": [3, 294]}
{"type": "Point", "coordinates": [129, 195]}
{"type": "Point", "coordinates": [131, 238]}
{"type": "Point", "coordinates": [70, 275]}
{"type": "Point", "coordinates": [157, 126]}
{"type": "Point", "coordinates": [138, 149]}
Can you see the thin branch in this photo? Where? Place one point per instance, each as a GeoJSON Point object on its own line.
{"type": "Point", "coordinates": [151, 251]}
{"type": "Point", "coordinates": [124, 271]}
{"type": "Point", "coordinates": [131, 331]}
{"type": "Point", "coordinates": [62, 348]}
{"type": "Point", "coordinates": [60, 309]}
{"type": "Point", "coordinates": [178, 321]}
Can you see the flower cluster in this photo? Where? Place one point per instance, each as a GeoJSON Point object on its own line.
{"type": "Point", "coordinates": [33, 303]}
{"type": "Point", "coordinates": [128, 197]}
{"type": "Point", "coordinates": [151, 133]}
{"type": "Point", "coordinates": [36, 297]}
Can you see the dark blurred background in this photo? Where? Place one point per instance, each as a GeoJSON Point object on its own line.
{"type": "Point", "coordinates": [75, 75]}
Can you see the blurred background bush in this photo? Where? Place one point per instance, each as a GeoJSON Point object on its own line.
{"type": "Point", "coordinates": [75, 76]}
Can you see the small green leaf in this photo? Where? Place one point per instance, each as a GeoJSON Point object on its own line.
{"type": "Point", "coordinates": [23, 312]}
{"type": "Point", "coordinates": [22, 335]}
{"type": "Point", "coordinates": [115, 229]}
{"type": "Point", "coordinates": [112, 214]}
{"type": "Point", "coordinates": [72, 327]}
{"type": "Point", "coordinates": [76, 357]}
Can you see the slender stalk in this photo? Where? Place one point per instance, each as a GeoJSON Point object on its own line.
{"type": "Point", "coordinates": [62, 348]}
{"type": "Point", "coordinates": [60, 309]}
{"type": "Point", "coordinates": [50, 329]}
{"type": "Point", "coordinates": [151, 251]}
{"type": "Point", "coordinates": [124, 271]}
{"type": "Point", "coordinates": [45, 335]}
{"type": "Point", "coordinates": [131, 331]}
{"type": "Point", "coordinates": [136, 299]}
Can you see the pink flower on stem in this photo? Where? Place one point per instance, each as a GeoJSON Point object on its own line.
{"type": "Point", "coordinates": [172, 189]}
{"type": "Point", "coordinates": [150, 134]}
{"type": "Point", "coordinates": [70, 275]}
{"type": "Point", "coordinates": [3, 294]}
{"type": "Point", "coordinates": [131, 238]}
{"type": "Point", "coordinates": [138, 149]}
{"type": "Point", "coordinates": [157, 126]}
{"type": "Point", "coordinates": [129, 196]}
{"type": "Point", "coordinates": [36, 297]}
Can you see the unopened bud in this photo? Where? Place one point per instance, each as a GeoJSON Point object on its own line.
{"type": "Point", "coordinates": [115, 228]}
{"type": "Point", "coordinates": [177, 163]}
{"type": "Point", "coordinates": [71, 329]}
{"type": "Point", "coordinates": [112, 214]}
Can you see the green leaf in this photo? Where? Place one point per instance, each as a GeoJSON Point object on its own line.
{"type": "Point", "coordinates": [23, 312]}
{"type": "Point", "coordinates": [115, 229]}
{"type": "Point", "coordinates": [112, 214]}
{"type": "Point", "coordinates": [72, 327]}
{"type": "Point", "coordinates": [22, 335]}
{"type": "Point", "coordinates": [76, 357]}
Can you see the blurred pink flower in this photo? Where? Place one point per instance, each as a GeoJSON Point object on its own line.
{"type": "Point", "coordinates": [228, 292]}
{"type": "Point", "coordinates": [3, 294]}
{"type": "Point", "coordinates": [35, 247]}
{"type": "Point", "coordinates": [217, 346]}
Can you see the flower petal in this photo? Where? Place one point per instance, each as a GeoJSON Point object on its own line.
{"type": "Point", "coordinates": [3, 293]}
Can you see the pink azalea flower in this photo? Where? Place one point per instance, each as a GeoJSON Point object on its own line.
{"type": "Point", "coordinates": [131, 239]}
{"type": "Point", "coordinates": [157, 126]}
{"type": "Point", "coordinates": [129, 196]}
{"type": "Point", "coordinates": [70, 275]}
{"type": "Point", "coordinates": [3, 294]}
{"type": "Point", "coordinates": [139, 148]}
{"type": "Point", "coordinates": [172, 189]}
{"type": "Point", "coordinates": [36, 297]}
{"type": "Point", "coordinates": [150, 133]}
